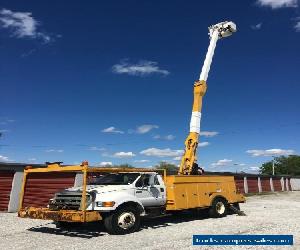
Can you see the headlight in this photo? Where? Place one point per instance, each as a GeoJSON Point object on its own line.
{"type": "Point", "coordinates": [105, 203]}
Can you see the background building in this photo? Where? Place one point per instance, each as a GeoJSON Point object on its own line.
{"type": "Point", "coordinates": [40, 187]}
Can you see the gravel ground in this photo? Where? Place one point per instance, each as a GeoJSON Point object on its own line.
{"type": "Point", "coordinates": [266, 214]}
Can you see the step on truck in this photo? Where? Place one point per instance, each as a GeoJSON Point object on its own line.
{"type": "Point", "coordinates": [120, 197]}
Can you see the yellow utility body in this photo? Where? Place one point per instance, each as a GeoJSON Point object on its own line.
{"type": "Point", "coordinates": [198, 191]}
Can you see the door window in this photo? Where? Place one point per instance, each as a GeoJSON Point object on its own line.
{"type": "Point", "coordinates": [143, 181]}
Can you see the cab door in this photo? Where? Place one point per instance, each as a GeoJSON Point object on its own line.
{"type": "Point", "coordinates": [158, 190]}
{"type": "Point", "coordinates": [148, 192]}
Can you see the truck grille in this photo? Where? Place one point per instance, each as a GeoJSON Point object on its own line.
{"type": "Point", "coordinates": [68, 200]}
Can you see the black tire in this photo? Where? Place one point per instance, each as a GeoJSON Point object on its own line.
{"type": "Point", "coordinates": [123, 221]}
{"type": "Point", "coordinates": [219, 208]}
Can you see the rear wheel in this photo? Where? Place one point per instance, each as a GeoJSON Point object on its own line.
{"type": "Point", "coordinates": [123, 221]}
{"type": "Point", "coordinates": [219, 208]}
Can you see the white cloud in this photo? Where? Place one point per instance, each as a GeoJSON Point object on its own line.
{"type": "Point", "coordinates": [297, 26]}
{"type": "Point", "coordinates": [167, 152]}
{"type": "Point", "coordinates": [142, 68]}
{"type": "Point", "coordinates": [224, 162]}
{"type": "Point", "coordinates": [254, 168]}
{"type": "Point", "coordinates": [105, 163]}
{"type": "Point", "coordinates": [54, 151]}
{"type": "Point", "coordinates": [112, 130]}
{"type": "Point", "coordinates": [96, 149]}
{"type": "Point", "coordinates": [123, 154]}
{"type": "Point", "coordinates": [177, 158]}
{"type": "Point", "coordinates": [208, 133]}
{"type": "Point", "coordinates": [32, 159]}
{"type": "Point", "coordinates": [4, 158]}
{"type": "Point", "coordinates": [22, 24]}
{"type": "Point", "coordinates": [141, 161]}
{"type": "Point", "coordinates": [143, 129]}
{"type": "Point", "coordinates": [28, 53]}
{"type": "Point", "coordinates": [167, 137]}
{"type": "Point", "coordinates": [270, 152]}
{"type": "Point", "coordinates": [5, 121]}
{"type": "Point", "coordinates": [203, 144]}
{"type": "Point", "coordinates": [275, 4]}
{"type": "Point", "coordinates": [256, 26]}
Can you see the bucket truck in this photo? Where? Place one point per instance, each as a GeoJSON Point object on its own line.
{"type": "Point", "coordinates": [119, 197]}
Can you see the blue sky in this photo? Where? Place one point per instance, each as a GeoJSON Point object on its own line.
{"type": "Point", "coordinates": [112, 81]}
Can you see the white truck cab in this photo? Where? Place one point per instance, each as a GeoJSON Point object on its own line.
{"type": "Point", "coordinates": [120, 197]}
{"type": "Point", "coordinates": [146, 189]}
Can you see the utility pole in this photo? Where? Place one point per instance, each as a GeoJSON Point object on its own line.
{"type": "Point", "coordinates": [273, 167]}
{"type": "Point", "coordinates": [236, 164]}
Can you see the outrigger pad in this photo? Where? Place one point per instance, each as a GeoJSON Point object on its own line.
{"type": "Point", "coordinates": [237, 211]}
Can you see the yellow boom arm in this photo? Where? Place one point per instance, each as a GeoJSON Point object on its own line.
{"type": "Point", "coordinates": [188, 165]}
{"type": "Point", "coordinates": [191, 142]}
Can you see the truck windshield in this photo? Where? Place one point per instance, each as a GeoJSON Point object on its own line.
{"type": "Point", "coordinates": [115, 179]}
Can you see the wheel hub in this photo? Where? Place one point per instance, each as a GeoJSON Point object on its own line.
{"type": "Point", "coordinates": [220, 207]}
{"type": "Point", "coordinates": [126, 220]}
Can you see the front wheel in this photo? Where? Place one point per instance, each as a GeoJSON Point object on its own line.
{"type": "Point", "coordinates": [219, 208]}
{"type": "Point", "coordinates": [123, 221]}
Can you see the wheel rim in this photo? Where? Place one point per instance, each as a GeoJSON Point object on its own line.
{"type": "Point", "coordinates": [220, 207]}
{"type": "Point", "coordinates": [126, 220]}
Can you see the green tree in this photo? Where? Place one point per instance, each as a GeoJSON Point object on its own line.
{"type": "Point", "coordinates": [171, 168]}
{"type": "Point", "coordinates": [289, 165]}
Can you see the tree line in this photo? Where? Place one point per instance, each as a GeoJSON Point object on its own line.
{"type": "Point", "coordinates": [283, 165]}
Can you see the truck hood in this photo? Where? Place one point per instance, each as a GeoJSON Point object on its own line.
{"type": "Point", "coordinates": [102, 188]}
